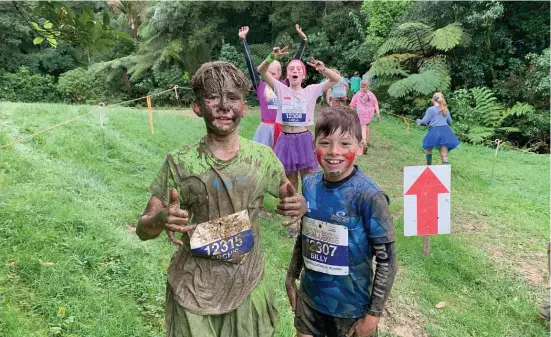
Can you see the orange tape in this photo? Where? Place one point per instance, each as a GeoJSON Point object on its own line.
{"type": "Point", "coordinates": [150, 113]}
{"type": "Point", "coordinates": [405, 121]}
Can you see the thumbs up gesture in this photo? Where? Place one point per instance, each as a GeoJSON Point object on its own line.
{"type": "Point", "coordinates": [291, 203]}
{"type": "Point", "coordinates": [176, 219]}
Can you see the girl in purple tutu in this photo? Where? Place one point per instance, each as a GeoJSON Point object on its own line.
{"type": "Point", "coordinates": [295, 147]}
{"type": "Point", "coordinates": [269, 130]}
{"type": "Point", "coordinates": [440, 135]}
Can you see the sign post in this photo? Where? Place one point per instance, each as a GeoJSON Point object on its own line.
{"type": "Point", "coordinates": [427, 201]}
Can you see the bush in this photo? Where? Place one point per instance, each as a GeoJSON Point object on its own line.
{"type": "Point", "coordinates": [77, 85]}
{"type": "Point", "coordinates": [24, 86]}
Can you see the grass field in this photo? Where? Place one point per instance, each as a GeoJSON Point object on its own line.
{"type": "Point", "coordinates": [71, 265]}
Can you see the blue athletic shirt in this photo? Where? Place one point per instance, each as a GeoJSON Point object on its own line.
{"type": "Point", "coordinates": [359, 207]}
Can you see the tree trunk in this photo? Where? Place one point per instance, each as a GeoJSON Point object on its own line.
{"type": "Point", "coordinates": [126, 81]}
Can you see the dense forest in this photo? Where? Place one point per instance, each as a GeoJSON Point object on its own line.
{"type": "Point", "coordinates": [491, 59]}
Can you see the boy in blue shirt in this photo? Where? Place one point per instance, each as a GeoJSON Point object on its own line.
{"type": "Point", "coordinates": [346, 224]}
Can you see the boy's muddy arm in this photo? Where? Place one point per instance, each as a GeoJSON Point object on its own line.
{"type": "Point", "coordinates": [158, 217]}
{"type": "Point", "coordinates": [293, 272]}
{"type": "Point", "coordinates": [385, 255]}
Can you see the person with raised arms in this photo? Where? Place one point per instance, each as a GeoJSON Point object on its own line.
{"type": "Point", "coordinates": [295, 111]}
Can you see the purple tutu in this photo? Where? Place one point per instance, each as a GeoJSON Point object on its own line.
{"type": "Point", "coordinates": [296, 152]}
{"type": "Point", "coordinates": [265, 134]}
{"type": "Point", "coordinates": [440, 135]}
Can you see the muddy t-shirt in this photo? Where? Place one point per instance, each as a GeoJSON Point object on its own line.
{"type": "Point", "coordinates": [211, 189]}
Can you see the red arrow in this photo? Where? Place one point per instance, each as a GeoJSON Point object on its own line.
{"type": "Point", "coordinates": [427, 187]}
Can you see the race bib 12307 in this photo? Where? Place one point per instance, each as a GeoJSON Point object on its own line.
{"type": "Point", "coordinates": [325, 247]}
{"type": "Point", "coordinates": [230, 238]}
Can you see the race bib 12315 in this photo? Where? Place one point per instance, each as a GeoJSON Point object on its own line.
{"type": "Point", "coordinates": [229, 238]}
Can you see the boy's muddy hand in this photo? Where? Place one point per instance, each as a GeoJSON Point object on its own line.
{"type": "Point", "coordinates": [365, 327]}
{"type": "Point", "coordinates": [243, 31]}
{"type": "Point", "coordinates": [276, 51]}
{"type": "Point", "coordinates": [317, 64]}
{"type": "Point", "coordinates": [291, 288]}
{"type": "Point", "coordinates": [176, 219]}
{"type": "Point", "coordinates": [291, 203]}
{"type": "Point", "coordinates": [300, 32]}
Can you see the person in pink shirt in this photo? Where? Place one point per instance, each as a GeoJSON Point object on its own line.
{"type": "Point", "coordinates": [295, 112]}
{"type": "Point", "coordinates": [366, 105]}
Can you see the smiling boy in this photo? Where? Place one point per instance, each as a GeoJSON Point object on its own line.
{"type": "Point", "coordinates": [347, 222]}
{"type": "Point", "coordinates": [210, 191]}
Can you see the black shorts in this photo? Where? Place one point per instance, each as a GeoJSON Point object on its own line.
{"type": "Point", "coordinates": [309, 321]}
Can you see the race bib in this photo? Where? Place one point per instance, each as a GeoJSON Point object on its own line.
{"type": "Point", "coordinates": [227, 239]}
{"type": "Point", "coordinates": [272, 103]}
{"type": "Point", "coordinates": [293, 110]}
{"type": "Point", "coordinates": [325, 247]}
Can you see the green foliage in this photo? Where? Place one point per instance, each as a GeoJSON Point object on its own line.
{"type": "Point", "coordinates": [78, 85]}
{"type": "Point", "coordinates": [24, 86]}
{"type": "Point", "coordinates": [230, 54]}
{"type": "Point", "coordinates": [89, 32]}
{"type": "Point", "coordinates": [413, 51]}
{"type": "Point", "coordinates": [479, 116]}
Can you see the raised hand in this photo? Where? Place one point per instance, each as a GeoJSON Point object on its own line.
{"type": "Point", "coordinates": [177, 219]}
{"type": "Point", "coordinates": [317, 64]}
{"type": "Point", "coordinates": [243, 31]}
{"type": "Point", "coordinates": [291, 203]}
{"type": "Point", "coordinates": [300, 32]}
{"type": "Point", "coordinates": [276, 51]}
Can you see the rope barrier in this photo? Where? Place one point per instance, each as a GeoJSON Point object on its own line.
{"type": "Point", "coordinates": [100, 104]}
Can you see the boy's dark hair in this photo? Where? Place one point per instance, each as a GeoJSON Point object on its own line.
{"type": "Point", "coordinates": [217, 76]}
{"type": "Point", "coordinates": [339, 116]}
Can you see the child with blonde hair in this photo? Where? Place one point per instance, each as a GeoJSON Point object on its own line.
{"type": "Point", "coordinates": [440, 135]}
{"type": "Point", "coordinates": [366, 105]}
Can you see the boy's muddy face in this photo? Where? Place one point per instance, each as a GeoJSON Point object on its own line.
{"type": "Point", "coordinates": [222, 112]}
{"type": "Point", "coordinates": [295, 73]}
{"type": "Point", "coordinates": [336, 154]}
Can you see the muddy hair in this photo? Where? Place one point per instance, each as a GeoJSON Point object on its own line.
{"type": "Point", "coordinates": [219, 76]}
{"type": "Point", "coordinates": [338, 116]}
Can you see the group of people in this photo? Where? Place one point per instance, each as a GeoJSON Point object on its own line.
{"type": "Point", "coordinates": [212, 193]}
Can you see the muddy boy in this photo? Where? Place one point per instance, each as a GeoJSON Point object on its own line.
{"type": "Point", "coordinates": [210, 191]}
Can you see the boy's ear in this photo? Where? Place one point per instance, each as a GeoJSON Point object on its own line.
{"type": "Point", "coordinates": [197, 109]}
{"type": "Point", "coordinates": [245, 108]}
{"type": "Point", "coordinates": [361, 147]}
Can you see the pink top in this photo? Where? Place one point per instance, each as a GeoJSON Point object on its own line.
{"type": "Point", "coordinates": [296, 108]}
{"type": "Point", "coordinates": [366, 104]}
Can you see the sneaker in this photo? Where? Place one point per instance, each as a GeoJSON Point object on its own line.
{"type": "Point", "coordinates": [544, 311]}
{"type": "Point", "coordinates": [263, 213]}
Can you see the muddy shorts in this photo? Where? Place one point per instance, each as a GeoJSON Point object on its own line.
{"type": "Point", "coordinates": [256, 317]}
{"type": "Point", "coordinates": [309, 321]}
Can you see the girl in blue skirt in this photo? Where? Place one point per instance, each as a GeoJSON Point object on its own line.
{"type": "Point", "coordinates": [438, 118]}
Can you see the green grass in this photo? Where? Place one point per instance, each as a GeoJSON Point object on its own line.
{"type": "Point", "coordinates": [70, 266]}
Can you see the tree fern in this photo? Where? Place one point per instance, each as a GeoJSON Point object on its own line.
{"type": "Point", "coordinates": [486, 106]}
{"type": "Point", "coordinates": [448, 37]}
{"type": "Point", "coordinates": [425, 83]}
{"type": "Point", "coordinates": [390, 65]}
{"type": "Point", "coordinates": [479, 134]}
